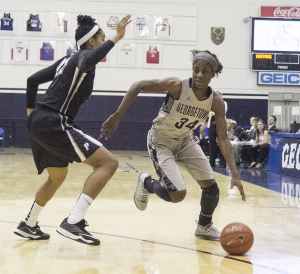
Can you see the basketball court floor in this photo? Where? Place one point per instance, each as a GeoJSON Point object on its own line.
{"type": "Point", "coordinates": [158, 240]}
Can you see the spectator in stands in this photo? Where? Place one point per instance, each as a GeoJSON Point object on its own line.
{"type": "Point", "coordinates": [203, 139]}
{"type": "Point", "coordinates": [272, 124]}
{"type": "Point", "coordinates": [213, 148]}
{"type": "Point", "coordinates": [237, 130]}
{"type": "Point", "coordinates": [260, 149]}
{"type": "Point", "coordinates": [245, 140]}
{"type": "Point", "coordinates": [251, 123]}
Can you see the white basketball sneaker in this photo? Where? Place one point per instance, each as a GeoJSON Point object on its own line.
{"type": "Point", "coordinates": [207, 232]}
{"type": "Point", "coordinates": [141, 194]}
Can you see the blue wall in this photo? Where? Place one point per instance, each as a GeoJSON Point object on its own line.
{"type": "Point", "coordinates": [132, 131]}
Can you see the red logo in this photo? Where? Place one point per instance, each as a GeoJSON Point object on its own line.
{"type": "Point", "coordinates": [281, 12]}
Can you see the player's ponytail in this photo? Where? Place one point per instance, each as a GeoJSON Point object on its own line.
{"type": "Point", "coordinates": [86, 24]}
{"type": "Point", "coordinates": [219, 65]}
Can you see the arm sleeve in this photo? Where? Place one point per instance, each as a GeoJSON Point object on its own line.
{"type": "Point", "coordinates": [33, 82]}
{"type": "Point", "coordinates": [90, 58]}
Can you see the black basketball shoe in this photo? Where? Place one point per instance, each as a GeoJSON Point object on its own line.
{"type": "Point", "coordinates": [77, 232]}
{"type": "Point", "coordinates": [33, 233]}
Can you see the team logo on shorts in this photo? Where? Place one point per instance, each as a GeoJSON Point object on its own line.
{"type": "Point", "coordinates": [217, 35]}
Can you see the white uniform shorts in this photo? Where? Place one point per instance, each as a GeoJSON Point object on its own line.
{"type": "Point", "coordinates": [167, 152]}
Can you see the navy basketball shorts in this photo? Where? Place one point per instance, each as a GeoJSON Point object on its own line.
{"type": "Point", "coordinates": [56, 144]}
{"type": "Point", "coordinates": [167, 153]}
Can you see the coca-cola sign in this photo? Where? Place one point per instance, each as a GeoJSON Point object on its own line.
{"type": "Point", "coordinates": [281, 12]}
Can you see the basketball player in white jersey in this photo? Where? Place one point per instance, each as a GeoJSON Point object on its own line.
{"type": "Point", "coordinates": [171, 139]}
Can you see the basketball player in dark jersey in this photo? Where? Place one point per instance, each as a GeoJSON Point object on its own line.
{"type": "Point", "coordinates": [171, 140]}
{"type": "Point", "coordinates": [57, 141]}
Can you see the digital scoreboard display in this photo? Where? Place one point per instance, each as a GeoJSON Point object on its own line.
{"type": "Point", "coordinates": [270, 62]}
{"type": "Point", "coordinates": [275, 44]}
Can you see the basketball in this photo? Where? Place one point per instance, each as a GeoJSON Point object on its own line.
{"type": "Point", "coordinates": [236, 238]}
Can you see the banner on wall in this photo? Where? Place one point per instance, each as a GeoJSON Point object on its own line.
{"type": "Point", "coordinates": [278, 78]}
{"type": "Point", "coordinates": [281, 12]}
{"type": "Point", "coordinates": [290, 161]}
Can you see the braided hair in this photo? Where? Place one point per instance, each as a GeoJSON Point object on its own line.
{"type": "Point", "coordinates": [220, 66]}
{"type": "Point", "coordinates": [85, 24]}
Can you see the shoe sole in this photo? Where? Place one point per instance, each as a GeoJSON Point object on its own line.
{"type": "Point", "coordinates": [26, 235]}
{"type": "Point", "coordinates": [141, 209]}
{"type": "Point", "coordinates": [210, 238]}
{"type": "Point", "coordinates": [79, 239]}
{"type": "Point", "coordinates": [134, 199]}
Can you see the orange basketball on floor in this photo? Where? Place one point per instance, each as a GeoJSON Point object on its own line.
{"type": "Point", "coordinates": [236, 238]}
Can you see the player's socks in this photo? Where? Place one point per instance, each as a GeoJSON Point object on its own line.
{"type": "Point", "coordinates": [203, 220]}
{"type": "Point", "coordinates": [153, 186]}
{"type": "Point", "coordinates": [33, 214]}
{"type": "Point", "coordinates": [80, 209]}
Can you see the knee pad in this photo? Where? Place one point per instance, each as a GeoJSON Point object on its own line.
{"type": "Point", "coordinates": [209, 199]}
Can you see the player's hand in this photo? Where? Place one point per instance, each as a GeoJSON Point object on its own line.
{"type": "Point", "coordinates": [121, 27]}
{"type": "Point", "coordinates": [109, 126]}
{"type": "Point", "coordinates": [235, 181]}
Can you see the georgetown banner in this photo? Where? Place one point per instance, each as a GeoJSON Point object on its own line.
{"type": "Point", "coordinates": [290, 160]}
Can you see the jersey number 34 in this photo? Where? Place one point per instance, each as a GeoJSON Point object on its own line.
{"type": "Point", "coordinates": [183, 122]}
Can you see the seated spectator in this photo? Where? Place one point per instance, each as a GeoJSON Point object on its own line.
{"type": "Point", "coordinates": [242, 147]}
{"type": "Point", "coordinates": [203, 139]}
{"type": "Point", "coordinates": [272, 124]}
{"type": "Point", "coordinates": [251, 123]}
{"type": "Point", "coordinates": [260, 149]}
{"type": "Point", "coordinates": [243, 139]}
{"type": "Point", "coordinates": [235, 129]}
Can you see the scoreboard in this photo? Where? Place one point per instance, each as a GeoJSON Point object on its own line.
{"type": "Point", "coordinates": [275, 44]}
{"type": "Point", "coordinates": [275, 61]}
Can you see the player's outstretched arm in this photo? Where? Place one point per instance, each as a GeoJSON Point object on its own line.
{"type": "Point", "coordinates": [121, 28]}
{"type": "Point", "coordinates": [172, 85]}
{"type": "Point", "coordinates": [218, 107]}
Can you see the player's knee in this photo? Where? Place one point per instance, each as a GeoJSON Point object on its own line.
{"type": "Point", "coordinates": [58, 177]}
{"type": "Point", "coordinates": [112, 164]}
{"type": "Point", "coordinates": [177, 196]}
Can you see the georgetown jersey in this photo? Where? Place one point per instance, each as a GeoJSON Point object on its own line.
{"type": "Point", "coordinates": [69, 89]}
{"type": "Point", "coordinates": [7, 22]}
{"type": "Point", "coordinates": [177, 118]}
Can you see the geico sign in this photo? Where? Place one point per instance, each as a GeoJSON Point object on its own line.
{"type": "Point", "coordinates": [291, 156]}
{"type": "Point", "coordinates": [280, 78]}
